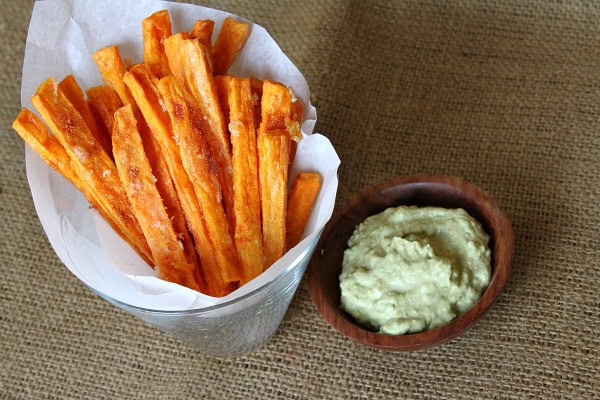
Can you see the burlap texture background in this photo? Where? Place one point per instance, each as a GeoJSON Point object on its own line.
{"type": "Point", "coordinates": [504, 94]}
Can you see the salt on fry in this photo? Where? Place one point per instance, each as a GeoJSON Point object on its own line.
{"type": "Point", "coordinates": [152, 106]}
{"type": "Point", "coordinates": [34, 133]}
{"type": "Point", "coordinates": [201, 85]}
{"type": "Point", "coordinates": [190, 130]}
{"type": "Point", "coordinates": [246, 201]}
{"type": "Point", "coordinates": [92, 165]}
{"type": "Point", "coordinates": [155, 29]}
{"type": "Point", "coordinates": [139, 183]}
{"type": "Point", "coordinates": [300, 201]}
{"type": "Point", "coordinates": [297, 111]}
{"type": "Point", "coordinates": [113, 71]}
{"type": "Point", "coordinates": [74, 94]}
{"type": "Point", "coordinates": [139, 82]}
{"type": "Point", "coordinates": [231, 39]}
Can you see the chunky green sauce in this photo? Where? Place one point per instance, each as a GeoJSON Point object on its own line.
{"type": "Point", "coordinates": [411, 269]}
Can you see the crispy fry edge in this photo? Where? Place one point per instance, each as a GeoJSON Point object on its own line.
{"type": "Point", "coordinates": [93, 166]}
{"type": "Point", "coordinates": [139, 183]}
{"type": "Point", "coordinates": [190, 128]}
{"type": "Point", "coordinates": [230, 41]}
{"type": "Point", "coordinates": [246, 202]}
{"type": "Point", "coordinates": [155, 29]}
{"type": "Point", "coordinates": [300, 202]}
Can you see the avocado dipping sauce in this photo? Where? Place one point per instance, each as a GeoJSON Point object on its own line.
{"type": "Point", "coordinates": [413, 269]}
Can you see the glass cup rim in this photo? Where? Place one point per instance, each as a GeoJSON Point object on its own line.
{"type": "Point", "coordinates": [215, 307]}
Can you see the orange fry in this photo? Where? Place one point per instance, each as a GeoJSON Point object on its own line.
{"type": "Point", "coordinates": [203, 31]}
{"type": "Point", "coordinates": [151, 105]}
{"type": "Point", "coordinates": [246, 202]}
{"type": "Point", "coordinates": [139, 82]}
{"type": "Point", "coordinates": [138, 181]}
{"type": "Point", "coordinates": [273, 158]}
{"type": "Point", "coordinates": [112, 69]}
{"type": "Point", "coordinates": [222, 82]}
{"type": "Point", "coordinates": [155, 29]}
{"type": "Point", "coordinates": [273, 171]}
{"type": "Point", "coordinates": [222, 86]}
{"type": "Point", "coordinates": [300, 201]}
{"type": "Point", "coordinates": [100, 124]}
{"type": "Point", "coordinates": [281, 114]}
{"type": "Point", "coordinates": [34, 133]}
{"type": "Point", "coordinates": [92, 165]}
{"type": "Point", "coordinates": [173, 45]}
{"type": "Point", "coordinates": [74, 94]}
{"type": "Point", "coordinates": [231, 39]}
{"type": "Point", "coordinates": [201, 85]}
{"type": "Point", "coordinates": [105, 102]}
{"type": "Point", "coordinates": [190, 130]}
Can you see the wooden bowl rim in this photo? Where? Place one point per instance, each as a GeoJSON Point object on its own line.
{"type": "Point", "coordinates": [435, 337]}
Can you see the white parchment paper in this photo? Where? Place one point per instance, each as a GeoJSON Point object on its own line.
{"type": "Point", "coordinates": [63, 35]}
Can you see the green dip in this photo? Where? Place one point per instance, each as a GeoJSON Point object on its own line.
{"type": "Point", "coordinates": [413, 269]}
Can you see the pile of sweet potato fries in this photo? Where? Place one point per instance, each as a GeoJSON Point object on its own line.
{"type": "Point", "coordinates": [189, 165]}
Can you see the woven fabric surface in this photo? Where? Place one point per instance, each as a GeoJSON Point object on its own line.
{"type": "Point", "coordinates": [503, 94]}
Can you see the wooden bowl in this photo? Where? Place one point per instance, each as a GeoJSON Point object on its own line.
{"type": "Point", "coordinates": [418, 190]}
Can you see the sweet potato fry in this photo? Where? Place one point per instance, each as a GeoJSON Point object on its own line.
{"type": "Point", "coordinates": [93, 166]}
{"type": "Point", "coordinates": [151, 105]}
{"type": "Point", "coordinates": [155, 29]}
{"type": "Point", "coordinates": [201, 85]}
{"type": "Point", "coordinates": [277, 129]}
{"type": "Point", "coordinates": [105, 102]}
{"type": "Point", "coordinates": [246, 202]}
{"type": "Point", "coordinates": [222, 86]}
{"type": "Point", "coordinates": [74, 94]}
{"type": "Point", "coordinates": [138, 181]}
{"type": "Point", "coordinates": [139, 83]}
{"type": "Point", "coordinates": [280, 115]}
{"type": "Point", "coordinates": [203, 31]}
{"type": "Point", "coordinates": [231, 39]}
{"type": "Point", "coordinates": [190, 130]}
{"type": "Point", "coordinates": [100, 124]}
{"type": "Point", "coordinates": [113, 71]}
{"type": "Point", "coordinates": [273, 171]}
{"type": "Point", "coordinates": [34, 133]}
{"type": "Point", "coordinates": [273, 158]}
{"type": "Point", "coordinates": [222, 82]}
{"type": "Point", "coordinates": [300, 201]}
{"type": "Point", "coordinates": [173, 45]}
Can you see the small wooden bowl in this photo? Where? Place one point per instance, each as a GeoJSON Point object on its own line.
{"type": "Point", "coordinates": [418, 190]}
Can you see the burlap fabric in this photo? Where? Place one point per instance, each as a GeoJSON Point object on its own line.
{"type": "Point", "coordinates": [505, 95]}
